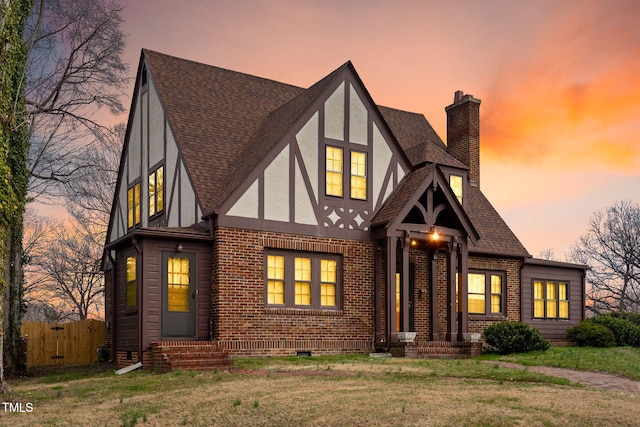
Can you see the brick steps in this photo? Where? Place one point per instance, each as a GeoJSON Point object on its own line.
{"type": "Point", "coordinates": [436, 349]}
{"type": "Point", "coordinates": [189, 355]}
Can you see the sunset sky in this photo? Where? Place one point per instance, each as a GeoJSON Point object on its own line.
{"type": "Point", "coordinates": [559, 82]}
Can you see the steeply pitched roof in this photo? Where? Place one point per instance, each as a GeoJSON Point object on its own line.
{"type": "Point", "coordinates": [225, 122]}
{"type": "Point", "coordinates": [214, 114]}
{"type": "Point", "coordinates": [495, 235]}
{"type": "Point", "coordinates": [417, 138]}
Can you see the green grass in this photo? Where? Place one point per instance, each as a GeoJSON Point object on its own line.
{"type": "Point", "coordinates": [338, 390]}
{"type": "Point", "coordinates": [621, 361]}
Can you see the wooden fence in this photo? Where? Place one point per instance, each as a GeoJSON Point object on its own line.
{"type": "Point", "coordinates": [74, 343]}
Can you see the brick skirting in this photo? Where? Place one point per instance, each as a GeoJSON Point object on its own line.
{"type": "Point", "coordinates": [290, 347]}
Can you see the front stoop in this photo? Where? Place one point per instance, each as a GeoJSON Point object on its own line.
{"type": "Point", "coordinates": [436, 349]}
{"type": "Point", "coordinates": [189, 356]}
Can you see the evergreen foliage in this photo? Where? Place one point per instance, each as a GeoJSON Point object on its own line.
{"type": "Point", "coordinates": [513, 337]}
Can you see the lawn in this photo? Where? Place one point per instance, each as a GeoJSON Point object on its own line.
{"type": "Point", "coordinates": [347, 390]}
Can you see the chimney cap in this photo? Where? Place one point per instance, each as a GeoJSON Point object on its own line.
{"type": "Point", "coordinates": [460, 97]}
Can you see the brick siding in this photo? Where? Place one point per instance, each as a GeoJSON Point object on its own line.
{"type": "Point", "coordinates": [245, 326]}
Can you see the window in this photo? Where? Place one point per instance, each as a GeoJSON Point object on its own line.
{"type": "Point", "coordinates": [156, 191]}
{"type": "Point", "coordinates": [178, 284]}
{"type": "Point", "coordinates": [133, 205]}
{"type": "Point", "coordinates": [328, 282]}
{"type": "Point", "coordinates": [275, 279]}
{"type": "Point", "coordinates": [485, 292]}
{"type": "Point", "coordinates": [303, 280]}
{"type": "Point", "coordinates": [455, 182]}
{"type": "Point", "coordinates": [131, 282]}
{"type": "Point", "coordinates": [550, 300]}
{"type": "Point", "coordinates": [334, 171]}
{"type": "Point", "coordinates": [358, 175]}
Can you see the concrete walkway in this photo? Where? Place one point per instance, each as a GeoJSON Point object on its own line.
{"type": "Point", "coordinates": [589, 379]}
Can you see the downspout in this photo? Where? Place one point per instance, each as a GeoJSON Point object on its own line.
{"type": "Point", "coordinates": [139, 286]}
{"type": "Point", "coordinates": [113, 306]}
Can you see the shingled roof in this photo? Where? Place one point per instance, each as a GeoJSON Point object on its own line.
{"type": "Point", "coordinates": [224, 122]}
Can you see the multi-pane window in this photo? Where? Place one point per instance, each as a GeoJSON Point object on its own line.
{"type": "Point", "coordinates": [179, 270]}
{"type": "Point", "coordinates": [485, 292]}
{"type": "Point", "coordinates": [302, 280]}
{"type": "Point", "coordinates": [131, 282]}
{"type": "Point", "coordinates": [133, 205]}
{"type": "Point", "coordinates": [455, 182]}
{"type": "Point", "coordinates": [496, 293]}
{"type": "Point", "coordinates": [156, 191]}
{"type": "Point", "coordinates": [358, 175]}
{"type": "Point", "coordinates": [334, 168]}
{"type": "Point", "coordinates": [476, 288]}
{"type": "Point", "coordinates": [328, 282]}
{"type": "Point", "coordinates": [550, 299]}
{"type": "Point", "coordinates": [275, 279]}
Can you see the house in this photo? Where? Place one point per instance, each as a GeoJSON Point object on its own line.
{"type": "Point", "coordinates": [254, 218]}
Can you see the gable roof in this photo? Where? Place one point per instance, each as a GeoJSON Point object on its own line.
{"type": "Point", "coordinates": [494, 235]}
{"type": "Point", "coordinates": [239, 117]}
{"type": "Point", "coordinates": [214, 115]}
{"type": "Point", "coordinates": [224, 122]}
{"type": "Point", "coordinates": [411, 189]}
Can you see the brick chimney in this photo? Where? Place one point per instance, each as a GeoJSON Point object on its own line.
{"type": "Point", "coordinates": [463, 133]}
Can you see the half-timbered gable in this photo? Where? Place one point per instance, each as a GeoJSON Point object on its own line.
{"type": "Point", "coordinates": [254, 217]}
{"type": "Point", "coordinates": [333, 168]}
{"type": "Point", "coordinates": [154, 187]}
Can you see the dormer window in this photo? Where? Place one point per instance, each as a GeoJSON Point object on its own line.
{"type": "Point", "coordinates": [455, 182]}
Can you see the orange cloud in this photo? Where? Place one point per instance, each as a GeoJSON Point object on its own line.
{"type": "Point", "coordinates": [574, 102]}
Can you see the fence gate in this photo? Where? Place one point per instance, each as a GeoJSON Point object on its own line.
{"type": "Point", "coordinates": [73, 343]}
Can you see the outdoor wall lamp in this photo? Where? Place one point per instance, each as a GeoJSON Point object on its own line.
{"type": "Point", "coordinates": [179, 247]}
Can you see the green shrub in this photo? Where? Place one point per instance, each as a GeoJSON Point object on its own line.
{"type": "Point", "coordinates": [592, 334]}
{"type": "Point", "coordinates": [627, 315]}
{"type": "Point", "coordinates": [513, 337]}
{"type": "Point", "coordinates": [626, 332]}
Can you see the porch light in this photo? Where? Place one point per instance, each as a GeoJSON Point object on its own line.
{"type": "Point", "coordinates": [434, 235]}
{"type": "Point", "coordinates": [413, 242]}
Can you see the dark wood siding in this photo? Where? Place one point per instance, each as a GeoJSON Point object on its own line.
{"type": "Point", "coordinates": [553, 329]}
{"type": "Point", "coordinates": [126, 321]}
{"type": "Point", "coordinates": [153, 281]}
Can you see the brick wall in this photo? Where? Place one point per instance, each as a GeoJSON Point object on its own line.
{"type": "Point", "coordinates": [246, 326]}
{"type": "Point", "coordinates": [477, 323]}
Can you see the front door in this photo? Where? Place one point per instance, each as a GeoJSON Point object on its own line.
{"type": "Point", "coordinates": [178, 294]}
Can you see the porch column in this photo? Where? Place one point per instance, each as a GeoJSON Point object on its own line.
{"type": "Point", "coordinates": [391, 289]}
{"type": "Point", "coordinates": [435, 336]}
{"type": "Point", "coordinates": [379, 287]}
{"type": "Point", "coordinates": [404, 292]}
{"type": "Point", "coordinates": [452, 264]}
{"type": "Point", "coordinates": [463, 301]}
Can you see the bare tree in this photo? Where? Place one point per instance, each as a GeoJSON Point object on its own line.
{"type": "Point", "coordinates": [89, 198]}
{"type": "Point", "coordinates": [547, 254]}
{"type": "Point", "coordinates": [75, 74]}
{"type": "Point", "coordinates": [611, 248]}
{"type": "Point", "coordinates": [64, 271]}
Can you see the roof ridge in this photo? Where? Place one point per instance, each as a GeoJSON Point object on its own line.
{"type": "Point", "coordinates": [173, 57]}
